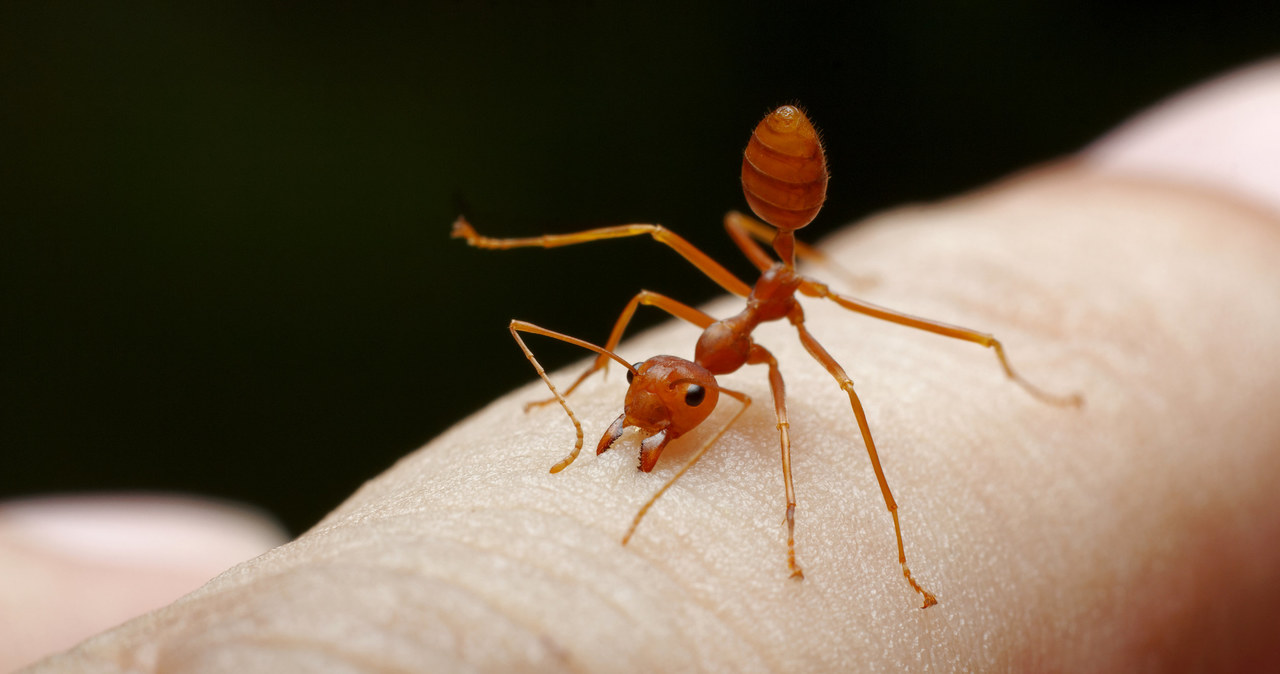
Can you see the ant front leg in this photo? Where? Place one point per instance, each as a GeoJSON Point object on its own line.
{"type": "Point", "coordinates": [846, 384]}
{"type": "Point", "coordinates": [815, 289]}
{"type": "Point", "coordinates": [712, 269]}
{"type": "Point", "coordinates": [760, 355]}
{"type": "Point", "coordinates": [736, 395]}
{"type": "Point", "coordinates": [644, 297]}
{"type": "Point", "coordinates": [518, 327]}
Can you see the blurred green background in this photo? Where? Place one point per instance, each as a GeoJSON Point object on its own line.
{"type": "Point", "coordinates": [224, 251]}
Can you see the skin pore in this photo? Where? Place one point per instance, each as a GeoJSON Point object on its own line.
{"type": "Point", "coordinates": [1139, 532]}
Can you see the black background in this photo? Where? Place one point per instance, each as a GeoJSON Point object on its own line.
{"type": "Point", "coordinates": [224, 259]}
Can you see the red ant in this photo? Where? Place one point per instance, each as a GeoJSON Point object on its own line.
{"type": "Point", "coordinates": [784, 177]}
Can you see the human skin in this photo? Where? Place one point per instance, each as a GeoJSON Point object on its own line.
{"type": "Point", "coordinates": [72, 566]}
{"type": "Point", "coordinates": [1138, 533]}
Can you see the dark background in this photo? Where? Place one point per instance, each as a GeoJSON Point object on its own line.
{"type": "Point", "coordinates": [224, 260]}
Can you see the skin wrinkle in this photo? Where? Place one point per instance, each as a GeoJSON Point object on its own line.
{"type": "Point", "coordinates": [245, 590]}
{"type": "Point", "coordinates": [565, 580]}
{"type": "Point", "coordinates": [258, 649]}
{"type": "Point", "coordinates": [548, 570]}
{"type": "Point", "coordinates": [203, 644]}
{"type": "Point", "coordinates": [294, 645]}
{"type": "Point", "coordinates": [524, 623]}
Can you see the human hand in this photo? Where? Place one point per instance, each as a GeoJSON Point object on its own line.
{"type": "Point", "coordinates": [1138, 532]}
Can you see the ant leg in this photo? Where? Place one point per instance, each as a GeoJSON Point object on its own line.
{"type": "Point", "coordinates": [740, 397]}
{"type": "Point", "coordinates": [714, 271]}
{"type": "Point", "coordinates": [516, 328]}
{"type": "Point", "coordinates": [816, 289]}
{"type": "Point", "coordinates": [746, 231]}
{"type": "Point", "coordinates": [760, 355]}
{"type": "Point", "coordinates": [647, 298]}
{"type": "Point", "coordinates": [846, 384]}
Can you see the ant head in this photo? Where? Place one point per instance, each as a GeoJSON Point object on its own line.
{"type": "Point", "coordinates": [668, 397]}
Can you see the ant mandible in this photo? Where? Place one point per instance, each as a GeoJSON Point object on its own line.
{"type": "Point", "coordinates": [784, 177]}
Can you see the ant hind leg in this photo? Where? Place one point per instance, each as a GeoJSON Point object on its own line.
{"type": "Point", "coordinates": [815, 289]}
{"type": "Point", "coordinates": [821, 355]}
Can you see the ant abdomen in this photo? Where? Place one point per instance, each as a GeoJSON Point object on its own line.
{"type": "Point", "coordinates": [784, 170]}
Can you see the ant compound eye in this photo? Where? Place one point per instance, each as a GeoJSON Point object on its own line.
{"type": "Point", "coordinates": [694, 395]}
{"type": "Point", "coordinates": [631, 374]}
